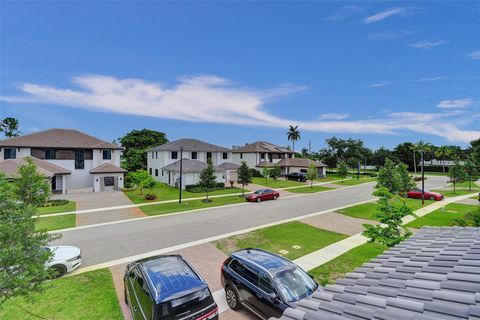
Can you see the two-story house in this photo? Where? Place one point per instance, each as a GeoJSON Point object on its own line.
{"type": "Point", "coordinates": [69, 158]}
{"type": "Point", "coordinates": [163, 162]}
{"type": "Point", "coordinates": [260, 151]}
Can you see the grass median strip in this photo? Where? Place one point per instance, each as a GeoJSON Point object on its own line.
{"type": "Point", "coordinates": [368, 210]}
{"type": "Point", "coordinates": [353, 181]}
{"type": "Point", "coordinates": [347, 262]}
{"type": "Point", "coordinates": [279, 183]}
{"type": "Point", "coordinates": [188, 205]}
{"type": "Point", "coordinates": [310, 189]}
{"type": "Point", "coordinates": [292, 240]}
{"type": "Point", "coordinates": [443, 217]}
{"type": "Point", "coordinates": [90, 295]}
{"type": "Point", "coordinates": [55, 223]}
{"type": "Point", "coordinates": [458, 192]}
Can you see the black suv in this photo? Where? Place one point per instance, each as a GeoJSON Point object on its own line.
{"type": "Point", "coordinates": [297, 176]}
{"type": "Point", "coordinates": [264, 283]}
{"type": "Point", "coordinates": [167, 287]}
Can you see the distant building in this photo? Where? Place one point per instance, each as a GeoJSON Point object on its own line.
{"type": "Point", "coordinates": [260, 151]}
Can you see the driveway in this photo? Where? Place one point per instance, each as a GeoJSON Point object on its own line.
{"type": "Point", "coordinates": [94, 200]}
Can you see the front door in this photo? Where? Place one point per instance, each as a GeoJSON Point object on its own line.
{"type": "Point", "coordinates": [54, 183]}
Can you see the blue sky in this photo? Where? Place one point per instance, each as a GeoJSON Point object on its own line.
{"type": "Point", "coordinates": [236, 72]}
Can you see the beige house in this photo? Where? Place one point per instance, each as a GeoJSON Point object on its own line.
{"type": "Point", "coordinates": [260, 151]}
{"type": "Point", "coordinates": [290, 165]}
{"type": "Point", "coordinates": [70, 159]}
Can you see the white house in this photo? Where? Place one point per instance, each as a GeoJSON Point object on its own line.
{"type": "Point", "coordinates": [163, 162]}
{"type": "Point", "coordinates": [289, 165]}
{"type": "Point", "coordinates": [70, 159]}
{"type": "Point", "coordinates": [260, 151]}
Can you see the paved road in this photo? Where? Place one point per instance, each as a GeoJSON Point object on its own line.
{"type": "Point", "coordinates": [104, 243]}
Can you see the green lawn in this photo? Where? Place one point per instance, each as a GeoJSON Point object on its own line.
{"type": "Point", "coordinates": [310, 189]}
{"type": "Point", "coordinates": [329, 177]}
{"type": "Point", "coordinates": [347, 262]}
{"type": "Point", "coordinates": [458, 192]}
{"type": "Point", "coordinates": [282, 237]}
{"type": "Point", "coordinates": [166, 192]}
{"type": "Point", "coordinates": [90, 295]}
{"type": "Point", "coordinates": [279, 183]}
{"type": "Point", "coordinates": [353, 181]}
{"type": "Point", "coordinates": [70, 206]}
{"type": "Point", "coordinates": [164, 208]}
{"type": "Point", "coordinates": [368, 210]}
{"type": "Point", "coordinates": [55, 223]}
{"type": "Point", "coordinates": [444, 216]}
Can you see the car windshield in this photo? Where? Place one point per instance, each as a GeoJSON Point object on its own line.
{"type": "Point", "coordinates": [295, 284]}
{"type": "Point", "coordinates": [258, 192]}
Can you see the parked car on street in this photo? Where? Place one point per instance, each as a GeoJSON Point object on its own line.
{"type": "Point", "coordinates": [297, 176]}
{"type": "Point", "coordinates": [167, 287]}
{"type": "Point", "coordinates": [65, 259]}
{"type": "Point", "coordinates": [263, 194]}
{"type": "Point", "coordinates": [417, 194]}
{"type": "Point", "coordinates": [264, 283]}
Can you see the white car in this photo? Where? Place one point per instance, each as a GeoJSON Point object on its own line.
{"type": "Point", "coordinates": [65, 259]}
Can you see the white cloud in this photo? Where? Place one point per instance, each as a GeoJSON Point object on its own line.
{"type": "Point", "coordinates": [474, 55]}
{"type": "Point", "coordinates": [385, 14]}
{"type": "Point", "coordinates": [211, 99]}
{"type": "Point", "coordinates": [387, 82]}
{"type": "Point", "coordinates": [455, 103]}
{"type": "Point", "coordinates": [343, 13]}
{"type": "Point", "coordinates": [426, 44]}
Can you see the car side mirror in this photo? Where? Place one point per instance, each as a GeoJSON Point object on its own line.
{"type": "Point", "coordinates": [273, 296]}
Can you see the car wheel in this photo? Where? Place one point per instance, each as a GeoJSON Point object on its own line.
{"type": "Point", "coordinates": [432, 198]}
{"type": "Point", "coordinates": [259, 199]}
{"type": "Point", "coordinates": [232, 298]}
{"type": "Point", "coordinates": [274, 197]}
{"type": "Point", "coordinates": [58, 271]}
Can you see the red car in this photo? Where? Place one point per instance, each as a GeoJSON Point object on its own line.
{"type": "Point", "coordinates": [417, 194]}
{"type": "Point", "coordinates": [263, 194]}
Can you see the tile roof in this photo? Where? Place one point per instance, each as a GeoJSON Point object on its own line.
{"type": "Point", "coordinates": [189, 166]}
{"type": "Point", "coordinates": [58, 138]}
{"type": "Point", "coordinates": [107, 168]}
{"type": "Point", "coordinates": [291, 162]}
{"type": "Point", "coordinates": [434, 274]}
{"type": "Point", "coordinates": [261, 146]}
{"type": "Point", "coordinates": [228, 166]}
{"type": "Point", "coordinates": [189, 145]}
{"type": "Point", "coordinates": [10, 167]}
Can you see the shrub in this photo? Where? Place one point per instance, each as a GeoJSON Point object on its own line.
{"type": "Point", "coordinates": [150, 196]}
{"type": "Point", "coordinates": [195, 188]}
{"type": "Point", "coordinates": [55, 203]}
{"type": "Point", "coordinates": [373, 174]}
{"type": "Point", "coordinates": [255, 173]}
{"type": "Point", "coordinates": [128, 189]}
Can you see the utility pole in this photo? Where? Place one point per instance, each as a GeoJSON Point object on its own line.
{"type": "Point", "coordinates": [181, 165]}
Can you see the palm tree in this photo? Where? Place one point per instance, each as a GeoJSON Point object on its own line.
{"type": "Point", "coordinates": [443, 152]}
{"type": "Point", "coordinates": [293, 135]}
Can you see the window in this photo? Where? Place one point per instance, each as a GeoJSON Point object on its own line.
{"type": "Point", "coordinates": [194, 155]}
{"type": "Point", "coordinates": [174, 155]}
{"type": "Point", "coordinates": [150, 171]}
{"type": "Point", "coordinates": [162, 172]}
{"type": "Point", "coordinates": [241, 155]}
{"type": "Point", "coordinates": [209, 156]}
{"type": "Point", "coordinates": [109, 181]}
{"type": "Point", "coordinates": [156, 172]}
{"type": "Point", "coordinates": [225, 155]}
{"type": "Point", "coordinates": [107, 154]}
{"type": "Point", "coordinates": [143, 294]}
{"type": "Point", "coordinates": [156, 155]}
{"type": "Point", "coordinates": [152, 155]}
{"type": "Point", "coordinates": [236, 266]}
{"type": "Point", "coordinates": [50, 154]}
{"type": "Point", "coordinates": [262, 155]}
{"type": "Point", "coordinates": [79, 159]}
{"type": "Point", "coordinates": [9, 153]}
{"type": "Point", "coordinates": [265, 283]}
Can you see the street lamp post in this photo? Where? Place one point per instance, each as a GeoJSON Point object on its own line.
{"type": "Point", "coordinates": [423, 179]}
{"type": "Point", "coordinates": [181, 173]}
{"type": "Point", "coordinates": [358, 170]}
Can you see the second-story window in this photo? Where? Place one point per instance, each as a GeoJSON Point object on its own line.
{"type": "Point", "coordinates": [241, 155]}
{"type": "Point", "coordinates": [194, 155]}
{"type": "Point", "coordinates": [209, 156]}
{"type": "Point", "coordinates": [225, 155]}
{"type": "Point", "coordinates": [174, 155]}
{"type": "Point", "coordinates": [50, 154]}
{"type": "Point", "coordinates": [80, 159]}
{"type": "Point", "coordinates": [107, 154]}
{"type": "Point", "coordinates": [262, 155]}
{"type": "Point", "coordinates": [9, 153]}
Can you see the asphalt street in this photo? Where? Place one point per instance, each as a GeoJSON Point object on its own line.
{"type": "Point", "coordinates": [104, 243]}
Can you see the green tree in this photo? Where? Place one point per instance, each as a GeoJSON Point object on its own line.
{"type": "Point", "coordinates": [135, 144]}
{"type": "Point", "coordinates": [312, 173]}
{"type": "Point", "coordinates": [342, 169]}
{"type": "Point", "coordinates": [379, 156]}
{"type": "Point", "coordinates": [474, 151]}
{"type": "Point", "coordinates": [9, 127]}
{"type": "Point", "coordinates": [142, 180]}
{"type": "Point", "coordinates": [443, 153]}
{"type": "Point", "coordinates": [404, 152]}
{"type": "Point", "coordinates": [244, 176]}
{"type": "Point", "coordinates": [388, 178]}
{"type": "Point", "coordinates": [32, 187]}
{"type": "Point", "coordinates": [293, 135]}
{"type": "Point", "coordinates": [265, 172]}
{"type": "Point", "coordinates": [275, 172]}
{"type": "Point", "coordinates": [405, 180]}
{"type": "Point", "coordinates": [392, 209]}
{"type": "Point", "coordinates": [471, 173]}
{"type": "Point", "coordinates": [456, 173]}
{"type": "Point", "coordinates": [22, 257]}
{"type": "Point", "coordinates": [208, 179]}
